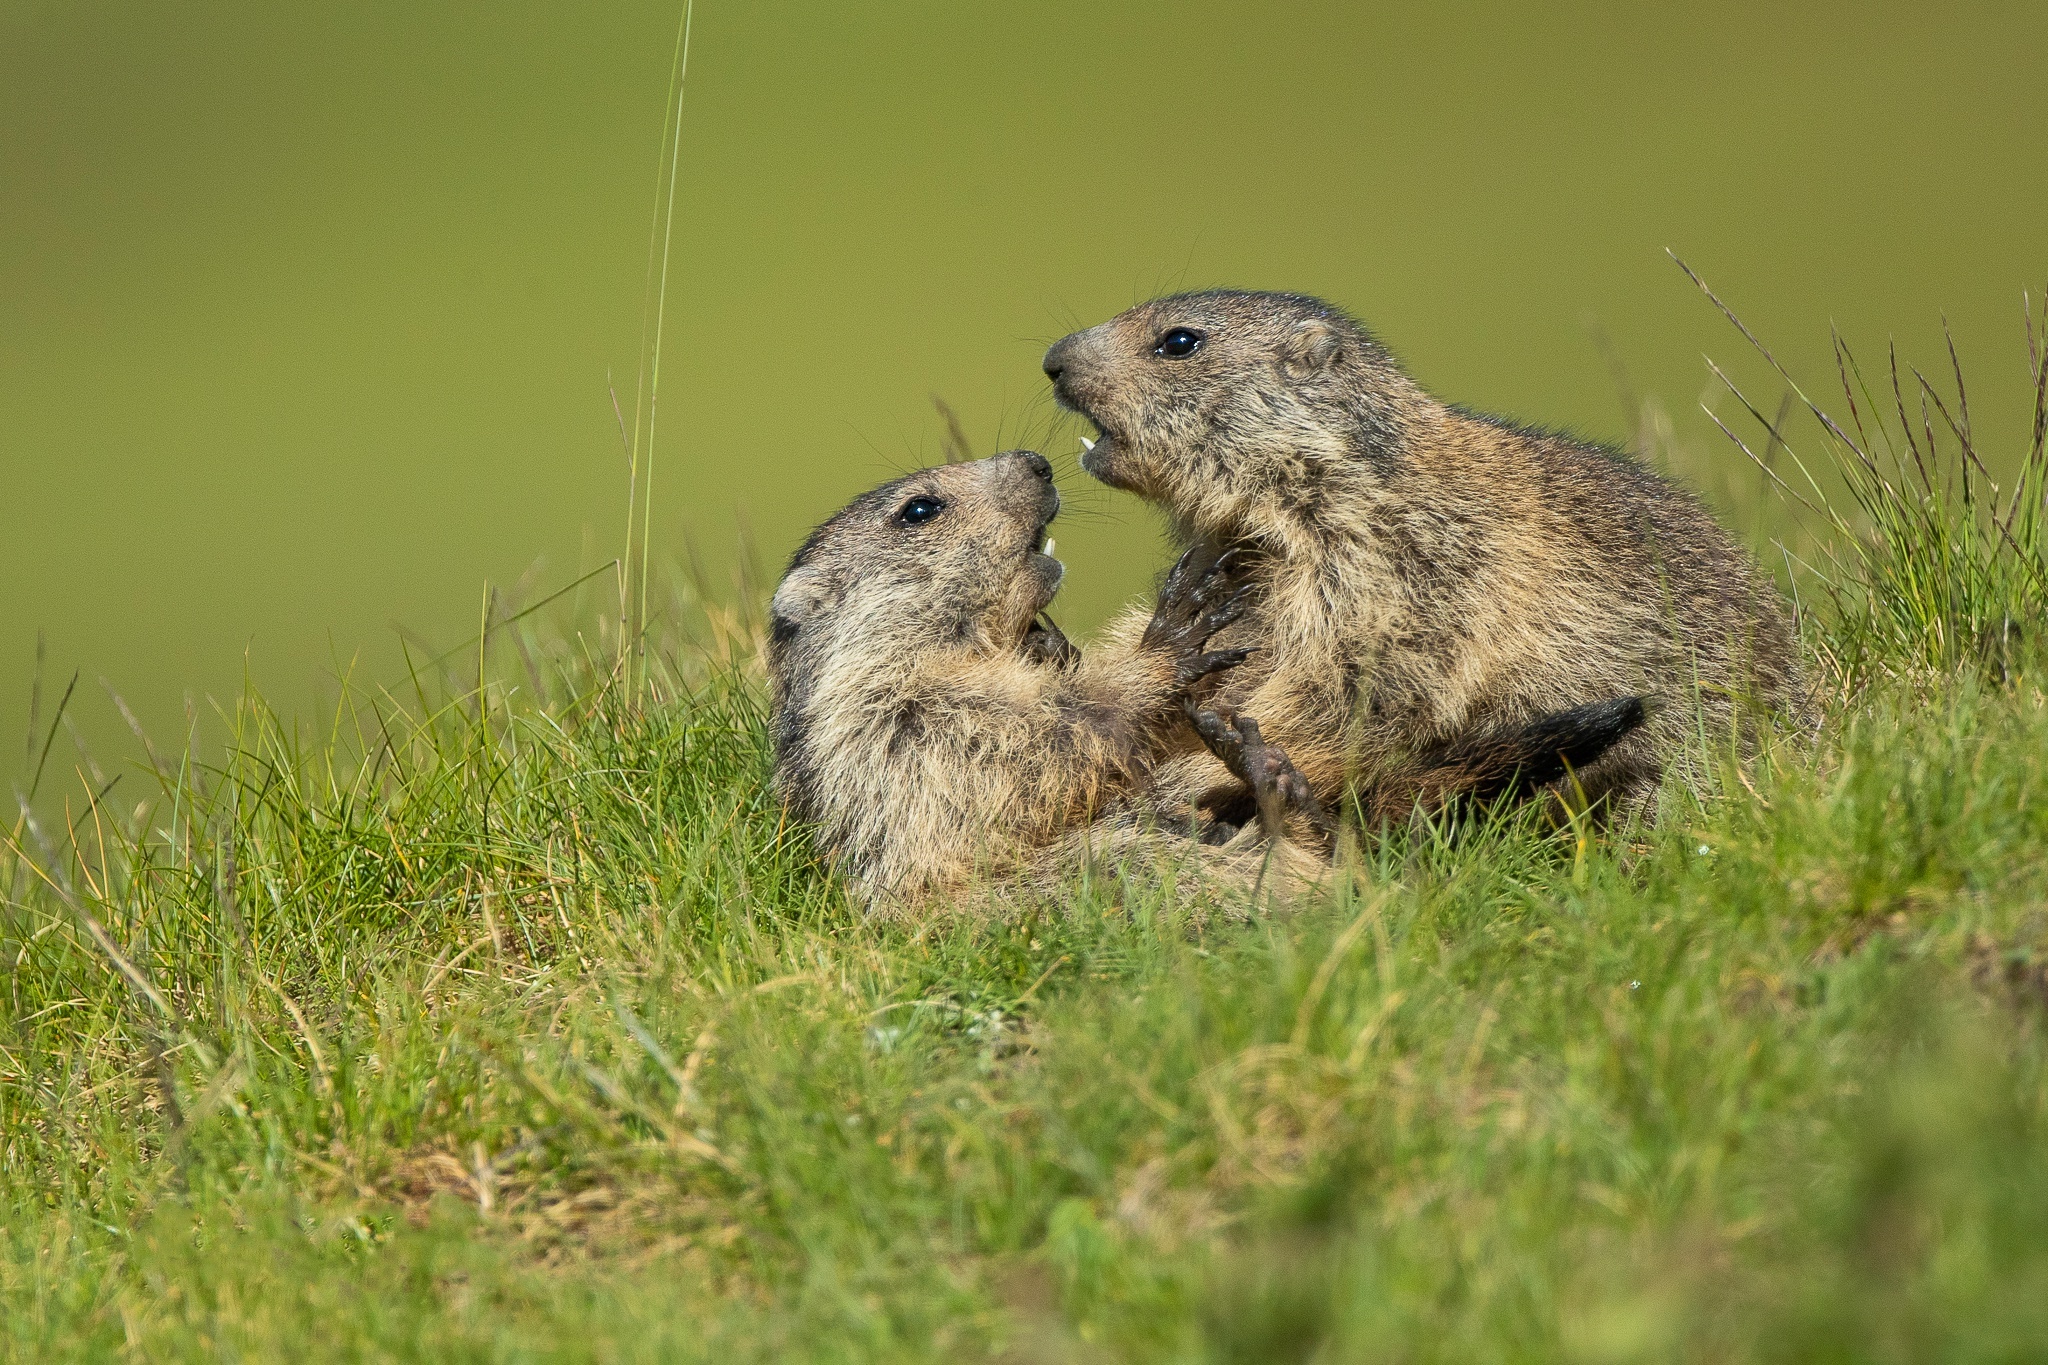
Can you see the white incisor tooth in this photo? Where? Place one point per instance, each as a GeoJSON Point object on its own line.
{"type": "Point", "coordinates": [1087, 444]}
{"type": "Point", "coordinates": [1050, 543]}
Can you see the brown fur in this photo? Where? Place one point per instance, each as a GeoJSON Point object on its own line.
{"type": "Point", "coordinates": [928, 728]}
{"type": "Point", "coordinates": [1427, 571]}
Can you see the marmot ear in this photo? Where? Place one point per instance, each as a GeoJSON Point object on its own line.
{"type": "Point", "coordinates": [803, 591]}
{"type": "Point", "coordinates": [1311, 346]}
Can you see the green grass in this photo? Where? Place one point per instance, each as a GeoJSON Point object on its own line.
{"type": "Point", "coordinates": [518, 1025]}
{"type": "Point", "coordinates": [1927, 562]}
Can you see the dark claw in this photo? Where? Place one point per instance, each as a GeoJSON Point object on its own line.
{"type": "Point", "coordinates": [1192, 670]}
{"type": "Point", "coordinates": [1232, 561]}
{"type": "Point", "coordinates": [1225, 613]}
{"type": "Point", "coordinates": [1177, 589]}
{"type": "Point", "coordinates": [1225, 575]}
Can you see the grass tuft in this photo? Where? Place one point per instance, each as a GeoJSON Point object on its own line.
{"type": "Point", "coordinates": [1928, 562]}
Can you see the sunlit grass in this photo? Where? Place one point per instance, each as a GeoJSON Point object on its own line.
{"type": "Point", "coordinates": [503, 1015]}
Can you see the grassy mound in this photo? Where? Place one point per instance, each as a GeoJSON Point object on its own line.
{"type": "Point", "coordinates": [511, 1021]}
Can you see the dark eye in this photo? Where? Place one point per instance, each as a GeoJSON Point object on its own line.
{"type": "Point", "coordinates": [920, 510]}
{"type": "Point", "coordinates": [1178, 344]}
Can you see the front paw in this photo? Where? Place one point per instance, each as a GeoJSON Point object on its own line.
{"type": "Point", "coordinates": [1206, 590]}
{"type": "Point", "coordinates": [1190, 671]}
{"type": "Point", "coordinates": [1045, 643]}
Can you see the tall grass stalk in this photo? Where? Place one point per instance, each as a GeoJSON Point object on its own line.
{"type": "Point", "coordinates": [647, 389]}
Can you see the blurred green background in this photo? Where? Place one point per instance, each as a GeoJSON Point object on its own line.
{"type": "Point", "coordinates": [306, 310]}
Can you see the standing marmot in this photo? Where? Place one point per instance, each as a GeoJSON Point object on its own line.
{"type": "Point", "coordinates": [1425, 570]}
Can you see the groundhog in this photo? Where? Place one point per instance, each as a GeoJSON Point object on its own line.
{"type": "Point", "coordinates": [1424, 571]}
{"type": "Point", "coordinates": [928, 718]}
{"type": "Point", "coordinates": [934, 724]}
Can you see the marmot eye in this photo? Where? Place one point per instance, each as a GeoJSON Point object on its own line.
{"type": "Point", "coordinates": [918, 511]}
{"type": "Point", "coordinates": [1178, 344]}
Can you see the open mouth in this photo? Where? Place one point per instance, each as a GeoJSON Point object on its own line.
{"type": "Point", "coordinates": [1053, 572]}
{"type": "Point", "coordinates": [1099, 455]}
{"type": "Point", "coordinates": [1096, 452]}
{"type": "Point", "coordinates": [1042, 537]}
{"type": "Point", "coordinates": [1044, 541]}
{"type": "Point", "coordinates": [1043, 640]}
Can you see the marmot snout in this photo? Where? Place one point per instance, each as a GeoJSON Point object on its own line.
{"type": "Point", "coordinates": [1212, 404]}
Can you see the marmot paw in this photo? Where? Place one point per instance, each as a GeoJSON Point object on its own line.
{"type": "Point", "coordinates": [1277, 785]}
{"type": "Point", "coordinates": [1201, 596]}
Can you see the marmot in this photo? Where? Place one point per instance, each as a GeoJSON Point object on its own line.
{"type": "Point", "coordinates": [927, 718]}
{"type": "Point", "coordinates": [1426, 570]}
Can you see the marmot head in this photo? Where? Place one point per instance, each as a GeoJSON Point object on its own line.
{"type": "Point", "coordinates": [1229, 408]}
{"type": "Point", "coordinates": [944, 557]}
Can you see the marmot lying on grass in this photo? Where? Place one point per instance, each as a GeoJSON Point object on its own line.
{"type": "Point", "coordinates": [1424, 570]}
{"type": "Point", "coordinates": [933, 724]}
{"type": "Point", "coordinates": [926, 717]}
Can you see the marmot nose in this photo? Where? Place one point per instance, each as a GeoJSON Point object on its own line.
{"type": "Point", "coordinates": [1037, 464]}
{"type": "Point", "coordinates": [1056, 360]}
